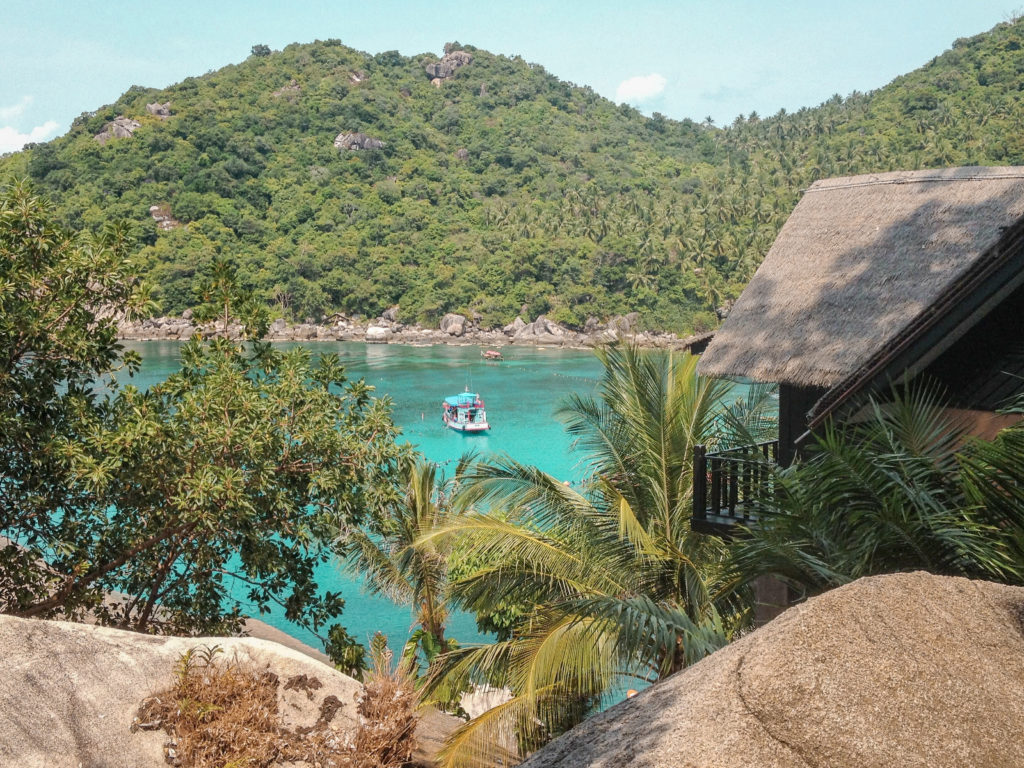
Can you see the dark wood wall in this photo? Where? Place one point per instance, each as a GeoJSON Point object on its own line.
{"type": "Point", "coordinates": [984, 370]}
{"type": "Point", "coordinates": [794, 404]}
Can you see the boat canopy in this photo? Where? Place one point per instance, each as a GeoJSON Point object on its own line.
{"type": "Point", "coordinates": [463, 400]}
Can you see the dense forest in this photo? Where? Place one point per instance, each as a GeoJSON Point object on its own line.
{"type": "Point", "coordinates": [499, 189]}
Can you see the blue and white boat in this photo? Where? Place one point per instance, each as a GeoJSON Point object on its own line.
{"type": "Point", "coordinates": [465, 412]}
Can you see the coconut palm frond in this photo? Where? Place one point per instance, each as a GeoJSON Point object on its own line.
{"type": "Point", "coordinates": [600, 434]}
{"type": "Point", "coordinates": [498, 736]}
{"type": "Point", "coordinates": [631, 528]}
{"type": "Point", "coordinates": [460, 668]}
{"type": "Point", "coordinates": [543, 557]}
{"type": "Point", "coordinates": [651, 635]}
{"type": "Point", "coordinates": [603, 582]}
{"type": "Point", "coordinates": [368, 557]}
{"type": "Point", "coordinates": [504, 483]}
{"type": "Point", "coordinates": [392, 566]}
{"type": "Point", "coordinates": [752, 419]}
{"type": "Point", "coordinates": [993, 478]}
{"type": "Point", "coordinates": [477, 591]}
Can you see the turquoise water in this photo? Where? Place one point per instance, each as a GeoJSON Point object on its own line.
{"type": "Point", "coordinates": [521, 394]}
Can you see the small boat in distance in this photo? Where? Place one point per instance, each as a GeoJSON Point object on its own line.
{"type": "Point", "coordinates": [465, 413]}
{"type": "Point", "coordinates": [491, 354]}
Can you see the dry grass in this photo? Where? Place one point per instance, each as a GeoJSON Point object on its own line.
{"type": "Point", "coordinates": [223, 714]}
{"type": "Point", "coordinates": [387, 711]}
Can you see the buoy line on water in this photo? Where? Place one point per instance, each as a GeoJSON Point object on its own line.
{"type": "Point", "coordinates": [575, 378]}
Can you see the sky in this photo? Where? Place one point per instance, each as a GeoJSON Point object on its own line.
{"type": "Point", "coordinates": [685, 59]}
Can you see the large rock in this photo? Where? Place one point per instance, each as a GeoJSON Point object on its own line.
{"type": "Point", "coordinates": [378, 334]}
{"type": "Point", "coordinates": [450, 62]}
{"type": "Point", "coordinates": [453, 325]}
{"type": "Point", "coordinates": [70, 691]}
{"type": "Point", "coordinates": [120, 127]}
{"type": "Point", "coordinates": [624, 325]}
{"type": "Point", "coordinates": [542, 326]}
{"type": "Point", "coordinates": [908, 670]}
{"type": "Point", "coordinates": [540, 331]}
{"type": "Point", "coordinates": [356, 141]}
{"type": "Point", "coordinates": [527, 332]}
{"type": "Point", "coordinates": [514, 327]}
{"type": "Point", "coordinates": [163, 111]}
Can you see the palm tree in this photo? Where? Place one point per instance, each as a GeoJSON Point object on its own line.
{"type": "Point", "coordinates": [611, 584]}
{"type": "Point", "coordinates": [385, 555]}
{"type": "Point", "coordinates": [898, 491]}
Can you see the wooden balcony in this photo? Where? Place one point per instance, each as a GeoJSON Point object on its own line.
{"type": "Point", "coordinates": [725, 484]}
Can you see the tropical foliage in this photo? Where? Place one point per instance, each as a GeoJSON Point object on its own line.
{"type": "Point", "coordinates": [500, 189]}
{"type": "Point", "coordinates": [168, 508]}
{"type": "Point", "coordinates": [612, 586]}
{"type": "Point", "coordinates": [383, 553]}
{"type": "Point", "coordinates": [900, 490]}
{"type": "Point", "coordinates": [54, 345]}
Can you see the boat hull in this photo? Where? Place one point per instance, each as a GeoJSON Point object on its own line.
{"type": "Point", "coordinates": [467, 427]}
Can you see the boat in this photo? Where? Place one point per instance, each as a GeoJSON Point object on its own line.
{"type": "Point", "coordinates": [491, 354]}
{"type": "Point", "coordinates": [465, 412]}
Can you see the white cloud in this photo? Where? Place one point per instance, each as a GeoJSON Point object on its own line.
{"type": "Point", "coordinates": [640, 88]}
{"type": "Point", "coordinates": [11, 140]}
{"type": "Point", "coordinates": [15, 110]}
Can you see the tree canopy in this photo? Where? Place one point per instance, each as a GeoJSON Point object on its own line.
{"type": "Point", "coordinates": [221, 487]}
{"type": "Point", "coordinates": [504, 187]}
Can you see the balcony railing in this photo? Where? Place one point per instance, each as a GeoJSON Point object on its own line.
{"type": "Point", "coordinates": [725, 484]}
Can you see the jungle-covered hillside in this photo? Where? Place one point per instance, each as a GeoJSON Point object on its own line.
{"type": "Point", "coordinates": [497, 186]}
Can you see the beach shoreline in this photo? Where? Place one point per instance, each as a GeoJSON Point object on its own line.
{"type": "Point", "coordinates": [459, 331]}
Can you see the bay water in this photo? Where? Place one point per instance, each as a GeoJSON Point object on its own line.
{"type": "Point", "coordinates": [521, 394]}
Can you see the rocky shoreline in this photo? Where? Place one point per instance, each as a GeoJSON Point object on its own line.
{"type": "Point", "coordinates": [454, 329]}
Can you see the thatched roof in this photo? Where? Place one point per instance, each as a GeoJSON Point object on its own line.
{"type": "Point", "coordinates": [860, 266]}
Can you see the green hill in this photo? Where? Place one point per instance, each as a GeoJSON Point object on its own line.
{"type": "Point", "coordinates": [496, 188]}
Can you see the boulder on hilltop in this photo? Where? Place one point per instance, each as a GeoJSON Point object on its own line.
{"type": "Point", "coordinates": [451, 61]}
{"type": "Point", "coordinates": [908, 670]}
{"type": "Point", "coordinates": [120, 127]}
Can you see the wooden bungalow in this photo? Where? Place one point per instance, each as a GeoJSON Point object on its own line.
{"type": "Point", "coordinates": [876, 280]}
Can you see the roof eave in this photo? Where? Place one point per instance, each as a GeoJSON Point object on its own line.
{"type": "Point", "coordinates": [996, 274]}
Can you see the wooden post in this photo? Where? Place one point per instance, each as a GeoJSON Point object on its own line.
{"type": "Point", "coordinates": [700, 483]}
{"type": "Point", "coordinates": [715, 470]}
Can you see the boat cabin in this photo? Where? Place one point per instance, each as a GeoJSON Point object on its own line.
{"type": "Point", "coordinates": [465, 412]}
{"type": "Point", "coordinates": [875, 280]}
